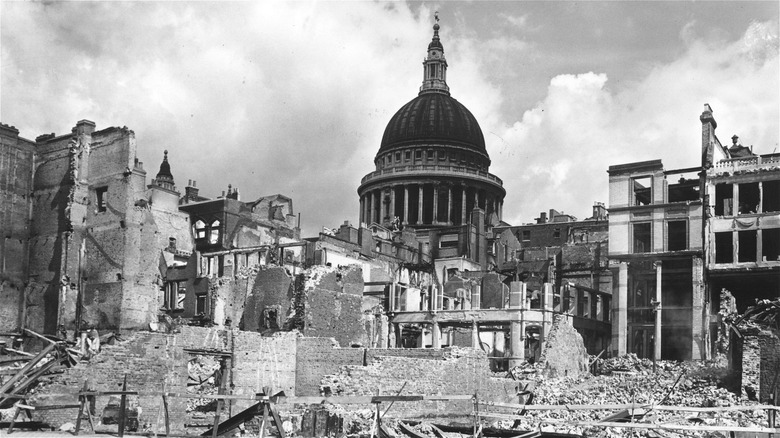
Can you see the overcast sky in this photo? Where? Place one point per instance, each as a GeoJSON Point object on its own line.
{"type": "Point", "coordinates": [293, 97]}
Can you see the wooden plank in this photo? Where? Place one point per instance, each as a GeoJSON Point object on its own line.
{"type": "Point", "coordinates": [663, 426]}
{"type": "Point", "coordinates": [409, 431]}
{"type": "Point", "coordinates": [7, 386]}
{"type": "Point", "coordinates": [19, 352]}
{"type": "Point", "coordinates": [629, 406]}
{"type": "Point", "coordinates": [39, 336]}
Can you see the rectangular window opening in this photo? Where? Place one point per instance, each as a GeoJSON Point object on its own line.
{"type": "Point", "coordinates": [686, 188]}
{"type": "Point", "coordinates": [407, 155]}
{"type": "Point", "coordinates": [642, 238]}
{"type": "Point", "coordinates": [101, 195]}
{"type": "Point", "coordinates": [398, 157]}
{"type": "Point", "coordinates": [724, 247]}
{"type": "Point", "coordinates": [749, 198]}
{"type": "Point", "coordinates": [770, 244]}
{"type": "Point", "coordinates": [724, 200]}
{"type": "Point", "coordinates": [678, 235]}
{"type": "Point", "coordinates": [200, 304]}
{"type": "Point", "coordinates": [746, 242]}
{"type": "Point", "coordinates": [526, 235]}
{"type": "Point", "coordinates": [418, 155]}
{"type": "Point", "coordinates": [771, 196]}
{"type": "Point", "coordinates": [557, 233]}
{"type": "Point", "coordinates": [641, 190]}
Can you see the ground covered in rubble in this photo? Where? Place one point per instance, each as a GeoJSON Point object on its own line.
{"type": "Point", "coordinates": [628, 380]}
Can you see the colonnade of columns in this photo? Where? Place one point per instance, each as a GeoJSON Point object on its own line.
{"type": "Point", "coordinates": [427, 203]}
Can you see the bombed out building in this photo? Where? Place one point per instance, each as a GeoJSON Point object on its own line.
{"type": "Point", "coordinates": [677, 238]}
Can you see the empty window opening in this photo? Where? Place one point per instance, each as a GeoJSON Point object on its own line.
{"type": "Point", "coordinates": [749, 198]}
{"type": "Point", "coordinates": [418, 155]}
{"type": "Point", "coordinates": [724, 247]}
{"type": "Point", "coordinates": [407, 155]}
{"type": "Point", "coordinates": [270, 319]}
{"type": "Point", "coordinates": [642, 237]}
{"type": "Point", "coordinates": [526, 235]}
{"type": "Point", "coordinates": [771, 196]}
{"type": "Point", "coordinates": [398, 157]}
{"type": "Point", "coordinates": [557, 233]}
{"type": "Point", "coordinates": [101, 193]}
{"type": "Point", "coordinates": [684, 189]}
{"type": "Point", "coordinates": [200, 304]}
{"type": "Point", "coordinates": [724, 200]}
{"type": "Point", "coordinates": [200, 229]}
{"type": "Point", "coordinates": [430, 155]}
{"type": "Point", "coordinates": [449, 241]}
{"type": "Point", "coordinates": [641, 190]}
{"type": "Point", "coordinates": [678, 235]}
{"type": "Point", "coordinates": [770, 244]}
{"type": "Point", "coordinates": [175, 292]}
{"type": "Point", "coordinates": [746, 242]}
{"type": "Point", "coordinates": [214, 234]}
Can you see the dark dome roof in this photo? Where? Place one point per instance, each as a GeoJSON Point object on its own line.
{"type": "Point", "coordinates": [433, 117]}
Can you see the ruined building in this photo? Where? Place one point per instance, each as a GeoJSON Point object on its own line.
{"type": "Point", "coordinates": [570, 256]}
{"type": "Point", "coordinates": [677, 237]}
{"type": "Point", "coordinates": [88, 244]}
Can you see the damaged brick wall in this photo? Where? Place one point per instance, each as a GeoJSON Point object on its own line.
{"type": "Point", "coordinates": [564, 353]}
{"type": "Point", "coordinates": [152, 359]}
{"type": "Point", "coordinates": [271, 293]}
{"type": "Point", "coordinates": [754, 358]}
{"type": "Point", "coordinates": [317, 357]}
{"type": "Point", "coordinates": [16, 170]}
{"type": "Point", "coordinates": [328, 303]}
{"type": "Point", "coordinates": [459, 371]}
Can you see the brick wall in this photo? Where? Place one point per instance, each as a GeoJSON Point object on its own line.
{"type": "Point", "coordinates": [151, 360]}
{"type": "Point", "coordinates": [755, 359]}
{"type": "Point", "coordinates": [317, 357]}
{"type": "Point", "coordinates": [459, 371]}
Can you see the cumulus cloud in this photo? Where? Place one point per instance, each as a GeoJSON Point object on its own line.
{"type": "Point", "coordinates": [557, 154]}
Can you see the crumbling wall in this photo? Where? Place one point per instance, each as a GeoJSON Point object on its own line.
{"type": "Point", "coordinates": [755, 361]}
{"type": "Point", "coordinates": [272, 290]}
{"type": "Point", "coordinates": [317, 357]}
{"type": "Point", "coordinates": [328, 303]}
{"type": "Point", "coordinates": [564, 352]}
{"type": "Point", "coordinates": [151, 360]}
{"type": "Point", "coordinates": [259, 362]}
{"type": "Point", "coordinates": [459, 372]}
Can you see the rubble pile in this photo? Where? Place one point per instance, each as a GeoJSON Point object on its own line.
{"type": "Point", "coordinates": [626, 380]}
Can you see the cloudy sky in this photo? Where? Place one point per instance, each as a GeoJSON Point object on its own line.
{"type": "Point", "coordinates": [293, 97]}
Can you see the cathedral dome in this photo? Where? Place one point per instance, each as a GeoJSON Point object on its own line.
{"type": "Point", "coordinates": [433, 118]}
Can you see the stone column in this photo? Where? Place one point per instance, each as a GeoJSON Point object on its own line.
{"type": "Point", "coordinates": [476, 197]}
{"type": "Point", "coordinates": [449, 205]}
{"type": "Point", "coordinates": [501, 210]}
{"type": "Point", "coordinates": [658, 295]}
{"type": "Point", "coordinates": [517, 295]}
{"type": "Point", "coordinates": [435, 203]}
{"type": "Point", "coordinates": [406, 204]}
{"type": "Point", "coordinates": [392, 203]}
{"type": "Point", "coordinates": [420, 207]}
{"type": "Point", "coordinates": [373, 207]}
{"type": "Point", "coordinates": [475, 334]}
{"type": "Point", "coordinates": [516, 350]}
{"type": "Point", "coordinates": [619, 318]}
{"type": "Point", "coordinates": [362, 209]}
{"type": "Point", "coordinates": [463, 207]}
{"type": "Point", "coordinates": [435, 335]}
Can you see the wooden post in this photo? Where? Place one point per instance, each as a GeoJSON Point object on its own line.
{"type": "Point", "coordinates": [167, 417]}
{"type": "Point", "coordinates": [476, 413]}
{"type": "Point", "coordinates": [82, 402]}
{"type": "Point", "coordinates": [122, 407]}
{"type": "Point", "coordinates": [265, 419]}
{"type": "Point", "coordinates": [16, 414]}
